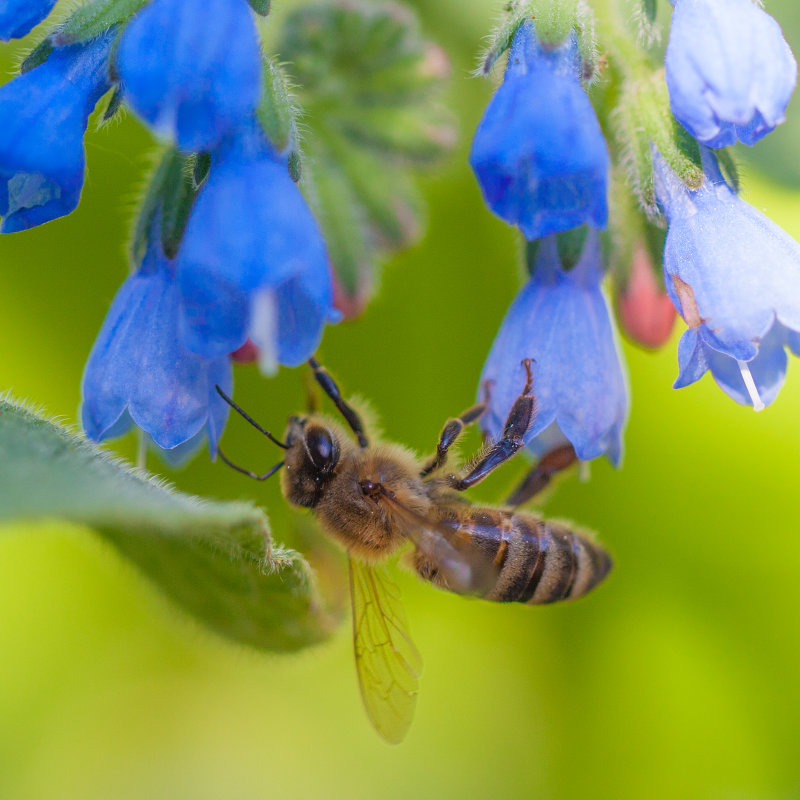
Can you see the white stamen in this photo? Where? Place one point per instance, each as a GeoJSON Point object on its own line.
{"type": "Point", "coordinates": [264, 331]}
{"type": "Point", "coordinates": [750, 384]}
{"type": "Point", "coordinates": [584, 471]}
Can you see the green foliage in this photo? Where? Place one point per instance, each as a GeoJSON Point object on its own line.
{"type": "Point", "coordinates": [171, 192]}
{"type": "Point", "coordinates": [644, 119]}
{"type": "Point", "coordinates": [91, 19]}
{"type": "Point", "coordinates": [216, 560]}
{"type": "Point", "coordinates": [368, 83]}
{"type": "Point", "coordinates": [261, 7]}
{"type": "Point", "coordinates": [276, 111]}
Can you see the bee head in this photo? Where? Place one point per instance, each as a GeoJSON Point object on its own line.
{"type": "Point", "coordinates": [311, 458]}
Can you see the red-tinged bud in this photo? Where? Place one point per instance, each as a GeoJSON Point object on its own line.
{"type": "Point", "coordinates": [350, 305]}
{"type": "Point", "coordinates": [645, 311]}
{"type": "Point", "coordinates": [246, 354]}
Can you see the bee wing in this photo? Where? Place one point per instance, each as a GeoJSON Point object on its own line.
{"type": "Point", "coordinates": [387, 662]}
{"type": "Point", "coordinates": [464, 571]}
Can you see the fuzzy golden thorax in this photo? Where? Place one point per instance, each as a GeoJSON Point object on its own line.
{"type": "Point", "coordinates": [327, 472]}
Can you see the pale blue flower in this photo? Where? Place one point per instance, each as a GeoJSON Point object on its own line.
{"type": "Point", "coordinates": [560, 319]}
{"type": "Point", "coordinates": [140, 373]}
{"type": "Point", "coordinates": [734, 275]}
{"type": "Point", "coordinates": [729, 70]}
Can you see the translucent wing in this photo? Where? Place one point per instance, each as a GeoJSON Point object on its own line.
{"type": "Point", "coordinates": [387, 661]}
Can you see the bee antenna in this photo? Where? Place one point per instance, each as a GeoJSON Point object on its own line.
{"type": "Point", "coordinates": [268, 474]}
{"type": "Point", "coordinates": [246, 416]}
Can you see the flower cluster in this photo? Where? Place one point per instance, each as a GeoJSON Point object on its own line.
{"type": "Point", "coordinates": [542, 162]}
{"type": "Point", "coordinates": [227, 251]}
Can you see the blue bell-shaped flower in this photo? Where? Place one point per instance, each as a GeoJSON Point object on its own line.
{"type": "Point", "coordinates": [253, 263]}
{"type": "Point", "coordinates": [539, 154]}
{"type": "Point", "coordinates": [729, 70]}
{"type": "Point", "coordinates": [19, 17]}
{"type": "Point", "coordinates": [191, 70]}
{"type": "Point", "coordinates": [140, 373]}
{"type": "Point", "coordinates": [43, 116]}
{"type": "Point", "coordinates": [734, 276]}
{"type": "Point", "coordinates": [560, 319]}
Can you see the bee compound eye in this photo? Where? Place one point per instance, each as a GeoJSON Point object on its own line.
{"type": "Point", "coordinates": [322, 448]}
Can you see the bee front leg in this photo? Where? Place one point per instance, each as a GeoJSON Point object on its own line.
{"type": "Point", "coordinates": [550, 464]}
{"type": "Point", "coordinates": [517, 424]}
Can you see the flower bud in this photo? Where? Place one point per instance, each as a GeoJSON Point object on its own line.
{"type": "Point", "coordinates": [644, 309]}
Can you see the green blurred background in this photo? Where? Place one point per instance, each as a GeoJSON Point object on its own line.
{"type": "Point", "coordinates": [677, 678]}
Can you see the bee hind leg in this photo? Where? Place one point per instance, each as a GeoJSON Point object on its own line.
{"type": "Point", "coordinates": [550, 464]}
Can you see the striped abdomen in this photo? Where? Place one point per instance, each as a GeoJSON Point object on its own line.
{"type": "Point", "coordinates": [513, 557]}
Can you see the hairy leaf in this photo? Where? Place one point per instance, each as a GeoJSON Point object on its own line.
{"type": "Point", "coordinates": [368, 84]}
{"type": "Point", "coordinates": [214, 559]}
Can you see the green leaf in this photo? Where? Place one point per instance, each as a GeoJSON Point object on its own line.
{"type": "Point", "coordinates": [93, 18]}
{"type": "Point", "coordinates": [214, 559]}
{"type": "Point", "coordinates": [369, 87]}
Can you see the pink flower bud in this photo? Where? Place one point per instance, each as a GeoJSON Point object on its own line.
{"type": "Point", "coordinates": [646, 313]}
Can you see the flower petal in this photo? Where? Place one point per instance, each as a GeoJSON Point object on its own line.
{"type": "Point", "coordinates": [191, 70]}
{"type": "Point", "coordinates": [44, 113]}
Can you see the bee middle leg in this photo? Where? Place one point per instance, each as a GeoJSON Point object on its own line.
{"type": "Point", "coordinates": [549, 465]}
{"type": "Point", "coordinates": [517, 423]}
{"type": "Point", "coordinates": [450, 432]}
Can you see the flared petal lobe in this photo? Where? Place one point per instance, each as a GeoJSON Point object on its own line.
{"type": "Point", "coordinates": [253, 260]}
{"type": "Point", "coordinates": [728, 268]}
{"type": "Point", "coordinates": [43, 116]}
{"type": "Point", "coordinates": [561, 320]}
{"type": "Point", "coordinates": [729, 71]}
{"type": "Point", "coordinates": [138, 369]}
{"type": "Point", "coordinates": [19, 17]}
{"type": "Point", "coordinates": [191, 70]}
{"type": "Point", "coordinates": [767, 370]}
{"type": "Point", "coordinates": [734, 276]}
{"type": "Point", "coordinates": [538, 153]}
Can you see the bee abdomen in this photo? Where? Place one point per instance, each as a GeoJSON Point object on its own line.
{"type": "Point", "coordinates": [545, 562]}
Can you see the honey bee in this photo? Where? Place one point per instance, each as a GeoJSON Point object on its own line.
{"type": "Point", "coordinates": [375, 498]}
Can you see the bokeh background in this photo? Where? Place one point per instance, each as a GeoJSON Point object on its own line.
{"type": "Point", "coordinates": [677, 678]}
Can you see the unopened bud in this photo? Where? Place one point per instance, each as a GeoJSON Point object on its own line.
{"type": "Point", "coordinates": [645, 311]}
{"type": "Point", "coordinates": [246, 354]}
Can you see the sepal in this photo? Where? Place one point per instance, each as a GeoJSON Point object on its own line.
{"type": "Point", "coordinates": [261, 7]}
{"type": "Point", "coordinates": [92, 19]}
{"type": "Point", "coordinates": [644, 119]}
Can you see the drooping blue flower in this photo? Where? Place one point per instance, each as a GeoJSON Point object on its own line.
{"type": "Point", "coordinates": [192, 70]}
{"type": "Point", "coordinates": [19, 17]}
{"type": "Point", "coordinates": [43, 116]}
{"type": "Point", "coordinates": [561, 320]}
{"type": "Point", "coordinates": [729, 70]}
{"type": "Point", "coordinates": [539, 154]}
{"type": "Point", "coordinates": [253, 262]}
{"type": "Point", "coordinates": [734, 276]}
{"type": "Point", "coordinates": [140, 373]}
